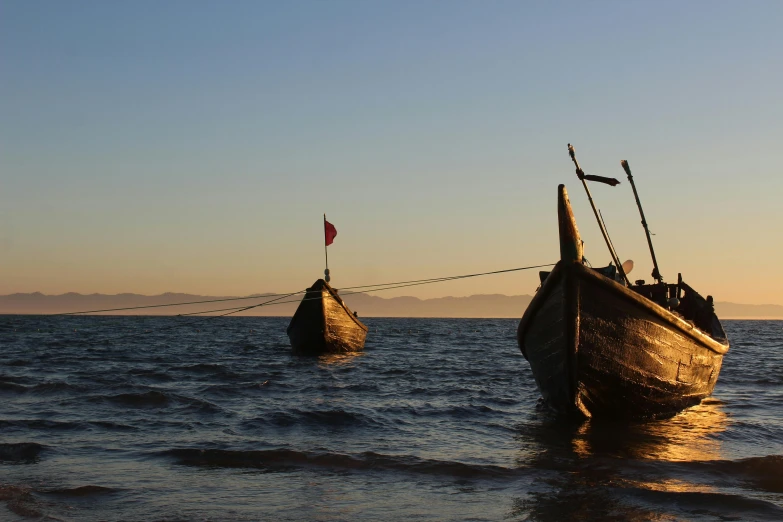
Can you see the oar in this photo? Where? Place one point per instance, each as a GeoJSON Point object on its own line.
{"type": "Point", "coordinates": [581, 175]}
{"type": "Point", "coordinates": [655, 273]}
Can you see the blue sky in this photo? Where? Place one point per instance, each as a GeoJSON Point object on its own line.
{"type": "Point", "coordinates": [193, 146]}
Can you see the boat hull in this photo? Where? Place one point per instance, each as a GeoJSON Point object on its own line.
{"type": "Point", "coordinates": [323, 324]}
{"type": "Point", "coordinates": [599, 349]}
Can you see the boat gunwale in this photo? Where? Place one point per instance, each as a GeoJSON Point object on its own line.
{"type": "Point", "coordinates": [629, 294]}
{"type": "Point", "coordinates": [662, 313]}
{"type": "Point", "coordinates": [333, 294]}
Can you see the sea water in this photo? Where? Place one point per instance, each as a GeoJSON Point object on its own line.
{"type": "Point", "coordinates": [154, 418]}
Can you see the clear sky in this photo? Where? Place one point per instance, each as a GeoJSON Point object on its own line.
{"type": "Point", "coordinates": [191, 146]}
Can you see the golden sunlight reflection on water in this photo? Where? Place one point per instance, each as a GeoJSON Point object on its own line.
{"type": "Point", "coordinates": [686, 437]}
{"type": "Point", "coordinates": [338, 359]}
{"type": "Point", "coordinates": [597, 465]}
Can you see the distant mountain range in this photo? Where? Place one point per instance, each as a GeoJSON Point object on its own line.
{"type": "Point", "coordinates": [491, 305]}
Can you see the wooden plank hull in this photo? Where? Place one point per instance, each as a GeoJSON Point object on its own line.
{"type": "Point", "coordinates": [324, 324]}
{"type": "Point", "coordinates": [597, 348]}
{"type": "Point", "coordinates": [601, 349]}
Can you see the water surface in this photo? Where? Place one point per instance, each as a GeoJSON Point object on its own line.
{"type": "Point", "coordinates": [437, 420]}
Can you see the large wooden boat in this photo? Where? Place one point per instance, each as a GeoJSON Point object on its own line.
{"type": "Point", "coordinates": [601, 348]}
{"type": "Point", "coordinates": [323, 323]}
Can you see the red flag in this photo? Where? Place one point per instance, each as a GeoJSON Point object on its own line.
{"type": "Point", "coordinates": [329, 232]}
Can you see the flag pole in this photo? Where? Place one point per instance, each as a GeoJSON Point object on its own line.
{"type": "Point", "coordinates": [326, 253]}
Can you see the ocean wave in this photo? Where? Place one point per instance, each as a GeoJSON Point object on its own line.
{"type": "Point", "coordinates": [396, 371]}
{"type": "Point", "coordinates": [19, 501]}
{"type": "Point", "coordinates": [16, 379]}
{"type": "Point", "coordinates": [722, 505]}
{"type": "Point", "coordinates": [212, 369]}
{"type": "Point", "coordinates": [42, 388]}
{"type": "Point", "coordinates": [331, 418]}
{"type": "Point", "coordinates": [753, 377]}
{"type": "Point", "coordinates": [288, 460]}
{"type": "Point", "coordinates": [157, 399]}
{"type": "Point", "coordinates": [769, 380]}
{"type": "Point", "coordinates": [469, 410]}
{"type": "Point", "coordinates": [233, 389]}
{"type": "Point", "coordinates": [19, 362]}
{"type": "Point", "coordinates": [51, 425]}
{"type": "Point", "coordinates": [40, 424]}
{"type": "Point", "coordinates": [359, 387]}
{"type": "Point", "coordinates": [81, 491]}
{"type": "Point", "coordinates": [429, 410]}
{"type": "Point", "coordinates": [155, 375]}
{"type": "Point", "coordinates": [6, 386]}
{"type": "Point", "coordinates": [139, 400]}
{"type": "Point", "coordinates": [760, 472]}
{"type": "Point", "coordinates": [56, 343]}
{"type": "Point", "coordinates": [108, 425]}
{"type": "Point", "coordinates": [20, 452]}
{"type": "Point", "coordinates": [56, 387]}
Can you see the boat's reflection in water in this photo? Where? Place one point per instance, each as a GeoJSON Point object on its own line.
{"type": "Point", "coordinates": [613, 470]}
{"type": "Point", "coordinates": [687, 437]}
{"type": "Point", "coordinates": [338, 359]}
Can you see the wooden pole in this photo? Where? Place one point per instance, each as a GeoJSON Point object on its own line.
{"type": "Point", "coordinates": [656, 274]}
{"type": "Point", "coordinates": [581, 175]}
{"type": "Point", "coordinates": [326, 253]}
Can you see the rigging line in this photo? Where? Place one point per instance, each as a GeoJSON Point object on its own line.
{"type": "Point", "coordinates": [231, 311]}
{"type": "Point", "coordinates": [608, 236]}
{"type": "Point", "coordinates": [379, 287]}
{"type": "Point", "coordinates": [171, 304]}
{"type": "Point", "coordinates": [200, 319]}
{"type": "Point", "coordinates": [437, 279]}
{"type": "Point", "coordinates": [400, 285]}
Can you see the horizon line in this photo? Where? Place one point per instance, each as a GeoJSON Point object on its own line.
{"type": "Point", "coordinates": [267, 294]}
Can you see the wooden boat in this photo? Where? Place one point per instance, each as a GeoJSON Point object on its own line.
{"type": "Point", "coordinates": [324, 324]}
{"type": "Point", "coordinates": [601, 348]}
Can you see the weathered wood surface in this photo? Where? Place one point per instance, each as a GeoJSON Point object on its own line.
{"type": "Point", "coordinates": [546, 345]}
{"type": "Point", "coordinates": [323, 323]}
{"type": "Point", "coordinates": [598, 348]}
{"type": "Point", "coordinates": [570, 242]}
{"type": "Point", "coordinates": [610, 355]}
{"type": "Point", "coordinates": [344, 332]}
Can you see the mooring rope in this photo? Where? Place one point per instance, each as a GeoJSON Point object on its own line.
{"type": "Point", "coordinates": [176, 304]}
{"type": "Point", "coordinates": [384, 286]}
{"type": "Point", "coordinates": [198, 320]}
{"type": "Point", "coordinates": [368, 288]}
{"type": "Point", "coordinates": [439, 279]}
{"type": "Point", "coordinates": [278, 299]}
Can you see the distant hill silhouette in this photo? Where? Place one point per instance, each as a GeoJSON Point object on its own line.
{"type": "Point", "coordinates": [490, 305]}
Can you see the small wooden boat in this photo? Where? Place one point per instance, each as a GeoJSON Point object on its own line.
{"type": "Point", "coordinates": [324, 324]}
{"type": "Point", "coordinates": [602, 348]}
